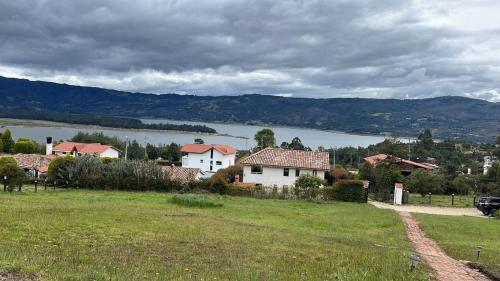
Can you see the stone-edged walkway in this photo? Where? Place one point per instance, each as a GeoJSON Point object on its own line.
{"type": "Point", "coordinates": [445, 268]}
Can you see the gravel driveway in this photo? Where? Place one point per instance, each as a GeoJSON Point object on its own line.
{"type": "Point", "coordinates": [430, 210]}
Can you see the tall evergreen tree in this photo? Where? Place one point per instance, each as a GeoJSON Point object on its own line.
{"type": "Point", "coordinates": [8, 142]}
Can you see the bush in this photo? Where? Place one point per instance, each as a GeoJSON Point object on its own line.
{"type": "Point", "coordinates": [15, 175]}
{"type": "Point", "coordinates": [24, 146]}
{"type": "Point", "coordinates": [307, 186]}
{"type": "Point", "coordinates": [236, 190]}
{"type": "Point", "coordinates": [337, 174]}
{"type": "Point", "coordinates": [348, 191]}
{"type": "Point", "coordinates": [424, 182]}
{"type": "Point", "coordinates": [198, 201]}
{"type": "Point", "coordinates": [59, 169]}
{"type": "Point", "coordinates": [217, 184]}
{"type": "Point", "coordinates": [230, 173]}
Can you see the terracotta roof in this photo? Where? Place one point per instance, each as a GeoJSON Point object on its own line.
{"type": "Point", "coordinates": [36, 161]}
{"type": "Point", "coordinates": [181, 174]}
{"type": "Point", "coordinates": [372, 160]}
{"type": "Point", "coordinates": [289, 158]}
{"type": "Point", "coordinates": [84, 148]}
{"type": "Point", "coordinates": [202, 148]}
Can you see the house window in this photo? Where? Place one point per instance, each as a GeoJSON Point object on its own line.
{"type": "Point", "coordinates": [201, 160]}
{"type": "Point", "coordinates": [211, 153]}
{"type": "Point", "coordinates": [297, 172]}
{"type": "Point", "coordinates": [211, 167]}
{"type": "Point", "coordinates": [315, 173]}
{"type": "Point", "coordinates": [218, 162]}
{"type": "Point", "coordinates": [286, 172]}
{"type": "Point", "coordinates": [256, 169]}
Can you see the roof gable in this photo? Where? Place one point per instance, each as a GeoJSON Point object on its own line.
{"type": "Point", "coordinates": [202, 148]}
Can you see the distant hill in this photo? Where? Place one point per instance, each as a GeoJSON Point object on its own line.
{"type": "Point", "coordinates": [455, 117]}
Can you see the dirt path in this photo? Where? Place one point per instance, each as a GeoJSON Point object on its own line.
{"type": "Point", "coordinates": [430, 210]}
{"type": "Point", "coordinates": [445, 267]}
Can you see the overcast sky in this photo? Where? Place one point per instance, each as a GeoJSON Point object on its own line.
{"type": "Point", "coordinates": [348, 48]}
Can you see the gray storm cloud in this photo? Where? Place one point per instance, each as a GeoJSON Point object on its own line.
{"type": "Point", "coordinates": [362, 48]}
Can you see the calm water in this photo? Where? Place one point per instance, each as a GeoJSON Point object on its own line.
{"type": "Point", "coordinates": [309, 137]}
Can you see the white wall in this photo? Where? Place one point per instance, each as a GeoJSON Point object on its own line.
{"type": "Point", "coordinates": [274, 176]}
{"type": "Point", "coordinates": [110, 153]}
{"type": "Point", "coordinates": [194, 160]}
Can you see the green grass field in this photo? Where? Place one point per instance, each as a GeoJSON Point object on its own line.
{"type": "Point", "coordinates": [459, 237]}
{"type": "Point", "coordinates": [99, 235]}
{"type": "Point", "coordinates": [460, 201]}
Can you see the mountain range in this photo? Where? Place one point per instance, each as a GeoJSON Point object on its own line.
{"type": "Point", "coordinates": [448, 116]}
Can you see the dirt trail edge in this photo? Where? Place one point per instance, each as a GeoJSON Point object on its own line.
{"type": "Point", "coordinates": [445, 267]}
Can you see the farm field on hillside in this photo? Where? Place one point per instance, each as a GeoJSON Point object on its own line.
{"type": "Point", "coordinates": [99, 235]}
{"type": "Point", "coordinates": [459, 237]}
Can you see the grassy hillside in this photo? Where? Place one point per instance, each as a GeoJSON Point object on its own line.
{"type": "Point", "coordinates": [447, 116]}
{"type": "Point", "coordinates": [97, 235]}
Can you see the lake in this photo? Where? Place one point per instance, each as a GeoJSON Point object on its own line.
{"type": "Point", "coordinates": [240, 136]}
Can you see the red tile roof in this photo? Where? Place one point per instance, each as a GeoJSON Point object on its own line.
{"type": "Point", "coordinates": [83, 148]}
{"type": "Point", "coordinates": [202, 148]}
{"type": "Point", "coordinates": [181, 174]}
{"type": "Point", "coordinates": [289, 158]}
{"type": "Point", "coordinates": [32, 161]}
{"type": "Point", "coordinates": [372, 160]}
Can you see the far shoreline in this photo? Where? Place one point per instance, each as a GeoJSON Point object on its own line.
{"type": "Point", "coordinates": [12, 122]}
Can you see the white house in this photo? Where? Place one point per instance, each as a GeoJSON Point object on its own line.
{"type": "Point", "coordinates": [208, 157]}
{"type": "Point", "coordinates": [488, 162]}
{"type": "Point", "coordinates": [281, 167]}
{"type": "Point", "coordinates": [77, 149]}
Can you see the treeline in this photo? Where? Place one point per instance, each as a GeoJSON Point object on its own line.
{"type": "Point", "coordinates": [98, 120]}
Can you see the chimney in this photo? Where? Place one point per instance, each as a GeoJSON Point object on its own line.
{"type": "Point", "coordinates": [48, 147]}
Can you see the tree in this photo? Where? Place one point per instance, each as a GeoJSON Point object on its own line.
{"type": "Point", "coordinates": [8, 142]}
{"type": "Point", "coordinates": [173, 152]}
{"type": "Point", "coordinates": [135, 151]}
{"type": "Point", "coordinates": [498, 140]}
{"type": "Point", "coordinates": [24, 146]}
{"type": "Point", "coordinates": [264, 138]}
{"type": "Point", "coordinates": [9, 168]}
{"type": "Point", "coordinates": [424, 182]}
{"type": "Point", "coordinates": [494, 173]}
{"type": "Point", "coordinates": [425, 138]}
{"type": "Point", "coordinates": [295, 144]}
{"type": "Point", "coordinates": [384, 178]}
{"type": "Point", "coordinates": [1, 145]}
{"type": "Point", "coordinates": [152, 151]}
{"type": "Point", "coordinates": [59, 169]}
{"type": "Point", "coordinates": [460, 185]}
{"type": "Point", "coordinates": [365, 172]}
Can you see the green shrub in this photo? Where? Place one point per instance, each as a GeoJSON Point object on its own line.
{"type": "Point", "coordinates": [59, 169]}
{"type": "Point", "coordinates": [236, 190]}
{"type": "Point", "coordinates": [192, 200]}
{"type": "Point", "coordinates": [217, 184]}
{"type": "Point", "coordinates": [15, 175]}
{"type": "Point", "coordinates": [230, 173]}
{"type": "Point", "coordinates": [424, 182]}
{"type": "Point", "coordinates": [8, 142]}
{"type": "Point", "coordinates": [348, 191]}
{"type": "Point", "coordinates": [24, 146]}
{"type": "Point", "coordinates": [307, 186]}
